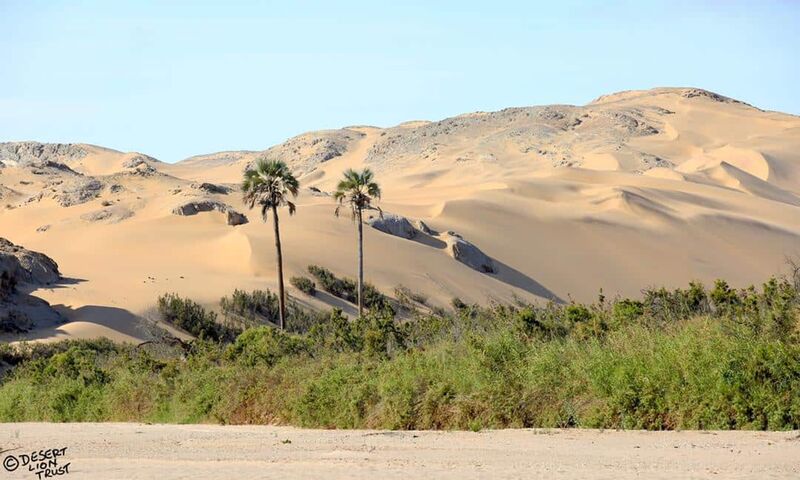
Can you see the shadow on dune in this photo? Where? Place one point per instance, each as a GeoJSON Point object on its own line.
{"type": "Point", "coordinates": [336, 302]}
{"type": "Point", "coordinates": [428, 240]}
{"type": "Point", "coordinates": [63, 282]}
{"type": "Point", "coordinates": [505, 273]}
{"type": "Point", "coordinates": [67, 281]}
{"type": "Point", "coordinates": [515, 278]}
{"type": "Point", "coordinates": [116, 319]}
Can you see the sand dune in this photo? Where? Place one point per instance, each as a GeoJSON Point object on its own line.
{"type": "Point", "coordinates": [655, 187]}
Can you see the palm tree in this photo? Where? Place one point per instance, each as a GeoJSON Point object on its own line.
{"type": "Point", "coordinates": [357, 190]}
{"type": "Point", "coordinates": [269, 185]}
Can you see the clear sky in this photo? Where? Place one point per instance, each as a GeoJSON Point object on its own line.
{"type": "Point", "coordinates": [174, 79]}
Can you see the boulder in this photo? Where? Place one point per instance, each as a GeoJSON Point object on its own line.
{"type": "Point", "coordinates": [467, 253]}
{"type": "Point", "coordinates": [212, 188]}
{"type": "Point", "coordinates": [113, 214]}
{"type": "Point", "coordinates": [392, 224]}
{"type": "Point", "coordinates": [25, 265]}
{"type": "Point", "coordinates": [317, 192]}
{"type": "Point", "coordinates": [236, 218]}
{"type": "Point", "coordinates": [424, 228]}
{"type": "Point", "coordinates": [194, 207]}
{"type": "Point", "coordinates": [18, 310]}
{"type": "Point", "coordinates": [143, 170]}
{"type": "Point", "coordinates": [80, 191]}
{"type": "Point", "coordinates": [197, 206]}
{"type": "Point", "coordinates": [134, 162]}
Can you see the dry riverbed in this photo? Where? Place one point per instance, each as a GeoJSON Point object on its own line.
{"type": "Point", "coordinates": [136, 451]}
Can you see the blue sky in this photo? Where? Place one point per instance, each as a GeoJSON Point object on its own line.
{"type": "Point", "coordinates": [174, 79]}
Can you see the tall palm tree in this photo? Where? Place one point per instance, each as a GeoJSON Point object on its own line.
{"type": "Point", "coordinates": [357, 190]}
{"type": "Point", "coordinates": [269, 185]}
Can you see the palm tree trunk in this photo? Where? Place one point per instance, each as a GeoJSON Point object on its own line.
{"type": "Point", "coordinates": [360, 265]}
{"type": "Point", "coordinates": [281, 292]}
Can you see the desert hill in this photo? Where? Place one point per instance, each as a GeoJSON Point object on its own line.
{"type": "Point", "coordinates": [655, 187]}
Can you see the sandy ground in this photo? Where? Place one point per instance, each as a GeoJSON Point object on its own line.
{"type": "Point", "coordinates": [636, 189]}
{"type": "Point", "coordinates": [135, 451]}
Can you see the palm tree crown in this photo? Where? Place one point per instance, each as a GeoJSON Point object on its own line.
{"type": "Point", "coordinates": [269, 185]}
{"type": "Point", "coordinates": [357, 190]}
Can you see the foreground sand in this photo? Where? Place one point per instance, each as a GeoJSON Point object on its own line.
{"type": "Point", "coordinates": [131, 451]}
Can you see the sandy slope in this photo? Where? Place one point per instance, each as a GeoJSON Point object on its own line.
{"type": "Point", "coordinates": [657, 187]}
{"type": "Point", "coordinates": [133, 451]}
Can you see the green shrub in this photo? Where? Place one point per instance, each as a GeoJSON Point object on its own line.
{"type": "Point", "coordinates": [406, 298]}
{"type": "Point", "coordinates": [304, 284]}
{"type": "Point", "coordinates": [627, 311]}
{"type": "Point", "coordinates": [336, 333]}
{"type": "Point", "coordinates": [252, 308]}
{"type": "Point", "coordinates": [193, 318]}
{"type": "Point", "coordinates": [265, 345]}
{"type": "Point", "coordinates": [347, 289]}
{"type": "Point", "coordinates": [338, 287]}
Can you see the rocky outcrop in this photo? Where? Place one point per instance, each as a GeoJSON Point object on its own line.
{"type": "Point", "coordinates": [316, 192]}
{"type": "Point", "coordinates": [50, 167]}
{"type": "Point", "coordinates": [424, 228]}
{"type": "Point", "coordinates": [467, 253]}
{"type": "Point", "coordinates": [138, 160]}
{"type": "Point", "coordinates": [18, 310]}
{"type": "Point", "coordinates": [6, 192]}
{"type": "Point", "coordinates": [306, 152]}
{"type": "Point", "coordinates": [25, 265]}
{"type": "Point", "coordinates": [24, 153]}
{"type": "Point", "coordinates": [108, 215]}
{"type": "Point", "coordinates": [142, 170]}
{"type": "Point", "coordinates": [79, 191]}
{"type": "Point", "coordinates": [392, 224]}
{"type": "Point", "coordinates": [196, 206]}
{"type": "Point", "coordinates": [236, 218]}
{"type": "Point", "coordinates": [211, 188]}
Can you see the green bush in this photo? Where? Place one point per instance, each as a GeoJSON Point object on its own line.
{"type": "Point", "coordinates": [304, 284]}
{"type": "Point", "coordinates": [406, 298]}
{"type": "Point", "coordinates": [193, 318]}
{"type": "Point", "coordinates": [347, 289]}
{"type": "Point", "coordinates": [265, 345]}
{"type": "Point", "coordinates": [338, 287]}
{"type": "Point", "coordinates": [253, 308]}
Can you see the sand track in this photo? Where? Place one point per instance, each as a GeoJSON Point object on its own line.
{"type": "Point", "coordinates": [135, 451]}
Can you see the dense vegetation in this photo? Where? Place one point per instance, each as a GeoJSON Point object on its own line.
{"type": "Point", "coordinates": [304, 284]}
{"type": "Point", "coordinates": [347, 289]}
{"type": "Point", "coordinates": [675, 359]}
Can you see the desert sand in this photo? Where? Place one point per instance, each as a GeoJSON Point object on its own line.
{"type": "Point", "coordinates": [635, 189]}
{"type": "Point", "coordinates": [133, 451]}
